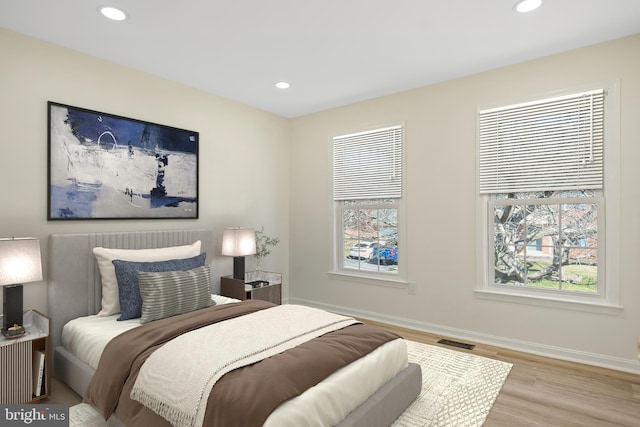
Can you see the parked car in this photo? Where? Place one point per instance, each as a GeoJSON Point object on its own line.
{"type": "Point", "coordinates": [362, 250]}
{"type": "Point", "coordinates": [385, 255]}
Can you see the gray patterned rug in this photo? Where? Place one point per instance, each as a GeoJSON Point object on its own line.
{"type": "Point", "coordinates": [458, 389]}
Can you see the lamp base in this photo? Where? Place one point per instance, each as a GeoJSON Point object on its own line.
{"type": "Point", "coordinates": [238, 267]}
{"type": "Point", "coordinates": [12, 308]}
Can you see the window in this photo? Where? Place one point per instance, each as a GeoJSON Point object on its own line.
{"type": "Point", "coordinates": [367, 189]}
{"type": "Point", "coordinates": [547, 241]}
{"type": "Point", "coordinates": [541, 183]}
{"type": "Point", "coordinates": [369, 235]}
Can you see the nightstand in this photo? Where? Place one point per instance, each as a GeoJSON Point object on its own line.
{"type": "Point", "coordinates": [237, 288]}
{"type": "Point", "coordinates": [25, 362]}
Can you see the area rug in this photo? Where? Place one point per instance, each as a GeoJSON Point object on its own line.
{"type": "Point", "coordinates": [458, 389]}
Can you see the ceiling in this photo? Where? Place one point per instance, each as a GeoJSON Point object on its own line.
{"type": "Point", "coordinates": [333, 52]}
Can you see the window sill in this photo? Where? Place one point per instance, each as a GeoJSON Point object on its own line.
{"type": "Point", "coordinates": [368, 280]}
{"type": "Point", "coordinates": [600, 307]}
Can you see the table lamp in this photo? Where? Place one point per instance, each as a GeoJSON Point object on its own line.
{"type": "Point", "coordinates": [19, 263]}
{"type": "Point", "coordinates": [238, 242]}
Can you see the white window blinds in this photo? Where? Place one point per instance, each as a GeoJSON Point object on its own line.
{"type": "Point", "coordinates": [551, 144]}
{"type": "Point", "coordinates": [368, 165]}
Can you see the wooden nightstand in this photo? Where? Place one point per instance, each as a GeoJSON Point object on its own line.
{"type": "Point", "coordinates": [20, 358]}
{"type": "Point", "coordinates": [236, 288]}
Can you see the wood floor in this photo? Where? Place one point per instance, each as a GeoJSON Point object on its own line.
{"type": "Point", "coordinates": [547, 392]}
{"type": "Point", "coordinates": [538, 391]}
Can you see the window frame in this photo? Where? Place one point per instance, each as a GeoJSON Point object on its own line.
{"type": "Point", "coordinates": [337, 269]}
{"type": "Point", "coordinates": [609, 301]}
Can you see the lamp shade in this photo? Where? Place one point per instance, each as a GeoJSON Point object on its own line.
{"type": "Point", "coordinates": [238, 241]}
{"type": "Point", "coordinates": [20, 261]}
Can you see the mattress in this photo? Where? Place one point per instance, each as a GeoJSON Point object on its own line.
{"type": "Point", "coordinates": [326, 403]}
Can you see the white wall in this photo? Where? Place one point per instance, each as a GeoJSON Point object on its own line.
{"type": "Point", "coordinates": [260, 169]}
{"type": "Point", "coordinates": [244, 152]}
{"type": "Point", "coordinates": [441, 195]}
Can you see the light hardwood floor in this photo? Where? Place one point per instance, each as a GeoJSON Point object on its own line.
{"type": "Point", "coordinates": [538, 391]}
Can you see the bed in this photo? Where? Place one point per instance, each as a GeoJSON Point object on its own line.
{"type": "Point", "coordinates": [75, 291]}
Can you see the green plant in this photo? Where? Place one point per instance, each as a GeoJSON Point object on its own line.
{"type": "Point", "coordinates": [264, 244]}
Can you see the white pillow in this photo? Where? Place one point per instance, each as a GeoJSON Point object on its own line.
{"type": "Point", "coordinates": [104, 256]}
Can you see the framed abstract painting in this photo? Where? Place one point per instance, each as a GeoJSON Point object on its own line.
{"type": "Point", "coordinates": [104, 166]}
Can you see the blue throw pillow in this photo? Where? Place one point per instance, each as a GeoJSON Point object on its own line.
{"type": "Point", "coordinates": [127, 276]}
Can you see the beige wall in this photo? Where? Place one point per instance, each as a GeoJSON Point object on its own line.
{"type": "Point", "coordinates": [441, 215]}
{"type": "Point", "coordinates": [244, 152]}
{"type": "Point", "coordinates": [260, 169]}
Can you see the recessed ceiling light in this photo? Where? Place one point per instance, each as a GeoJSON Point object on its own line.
{"type": "Point", "coordinates": [113, 13]}
{"type": "Point", "coordinates": [283, 85]}
{"type": "Point", "coordinates": [524, 6]}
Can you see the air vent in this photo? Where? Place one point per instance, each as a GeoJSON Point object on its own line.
{"type": "Point", "coordinates": [457, 344]}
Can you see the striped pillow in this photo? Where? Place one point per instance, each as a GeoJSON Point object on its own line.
{"type": "Point", "coordinates": [171, 293]}
{"type": "Point", "coordinates": [127, 275]}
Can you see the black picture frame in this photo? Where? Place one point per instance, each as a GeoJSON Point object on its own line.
{"type": "Point", "coordinates": [105, 166]}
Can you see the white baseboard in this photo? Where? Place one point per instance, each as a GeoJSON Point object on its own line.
{"type": "Point", "coordinates": [593, 359]}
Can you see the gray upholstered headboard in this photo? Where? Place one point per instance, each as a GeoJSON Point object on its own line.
{"type": "Point", "coordinates": [74, 286]}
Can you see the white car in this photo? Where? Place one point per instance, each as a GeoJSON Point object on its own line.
{"type": "Point", "coordinates": [362, 250]}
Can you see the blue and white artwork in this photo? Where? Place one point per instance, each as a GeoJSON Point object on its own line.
{"type": "Point", "coordinates": [103, 166]}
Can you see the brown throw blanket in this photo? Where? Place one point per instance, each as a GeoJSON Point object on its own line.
{"type": "Point", "coordinates": [244, 397]}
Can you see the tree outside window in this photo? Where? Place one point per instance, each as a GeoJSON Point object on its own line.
{"type": "Point", "coordinates": [546, 240]}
